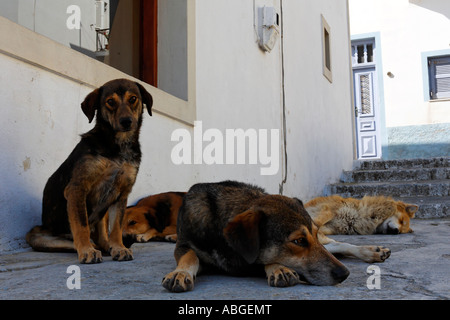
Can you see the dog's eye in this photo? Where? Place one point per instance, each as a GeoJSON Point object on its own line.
{"type": "Point", "coordinates": [132, 99]}
{"type": "Point", "coordinates": [110, 102]}
{"type": "Point", "coordinates": [301, 242]}
{"type": "Point", "coordinates": [132, 223]}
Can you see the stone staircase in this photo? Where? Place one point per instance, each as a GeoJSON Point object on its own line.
{"type": "Point", "coordinates": [424, 182]}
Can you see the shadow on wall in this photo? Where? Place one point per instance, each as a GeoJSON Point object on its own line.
{"type": "Point", "coordinates": [425, 141]}
{"type": "Point", "coordinates": [22, 207]}
{"type": "Point", "coordinates": [438, 6]}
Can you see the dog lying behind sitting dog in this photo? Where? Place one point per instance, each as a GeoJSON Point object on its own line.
{"type": "Point", "coordinates": [370, 215]}
{"type": "Point", "coordinates": [239, 229]}
{"type": "Point", "coordinates": [152, 218]}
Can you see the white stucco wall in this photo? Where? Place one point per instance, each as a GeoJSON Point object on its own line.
{"type": "Point", "coordinates": [407, 29]}
{"type": "Point", "coordinates": [239, 86]}
{"type": "Point", "coordinates": [320, 116]}
{"type": "Point", "coordinates": [236, 86]}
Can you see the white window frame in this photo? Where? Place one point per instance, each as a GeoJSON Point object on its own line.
{"type": "Point", "coordinates": [326, 50]}
{"type": "Point", "coordinates": [434, 94]}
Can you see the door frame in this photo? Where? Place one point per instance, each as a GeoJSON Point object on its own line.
{"type": "Point", "coordinates": [366, 125]}
{"type": "Point", "coordinates": [148, 54]}
{"type": "Point", "coordinates": [375, 37]}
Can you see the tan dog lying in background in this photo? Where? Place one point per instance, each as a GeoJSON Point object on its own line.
{"type": "Point", "coordinates": [370, 215]}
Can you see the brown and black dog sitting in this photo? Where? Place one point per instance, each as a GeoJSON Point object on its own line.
{"type": "Point", "coordinates": [241, 230]}
{"type": "Point", "coordinates": [96, 177]}
{"type": "Point", "coordinates": [152, 218]}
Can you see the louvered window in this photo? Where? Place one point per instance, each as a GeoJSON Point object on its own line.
{"type": "Point", "coordinates": [439, 70]}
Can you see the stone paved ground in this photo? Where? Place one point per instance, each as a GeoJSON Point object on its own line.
{"type": "Point", "coordinates": [419, 268]}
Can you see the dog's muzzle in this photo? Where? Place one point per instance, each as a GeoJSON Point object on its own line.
{"type": "Point", "coordinates": [126, 123]}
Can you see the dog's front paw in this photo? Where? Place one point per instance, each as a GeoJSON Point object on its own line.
{"type": "Point", "coordinates": [121, 254]}
{"type": "Point", "coordinates": [171, 238]}
{"type": "Point", "coordinates": [141, 238]}
{"type": "Point", "coordinates": [375, 253]}
{"type": "Point", "coordinates": [89, 255]}
{"type": "Point", "coordinates": [282, 277]}
{"type": "Point", "coordinates": [178, 281]}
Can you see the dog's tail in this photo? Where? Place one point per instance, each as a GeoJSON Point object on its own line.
{"type": "Point", "coordinates": [41, 239]}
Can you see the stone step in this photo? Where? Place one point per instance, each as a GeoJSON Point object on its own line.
{"type": "Point", "coordinates": [429, 207]}
{"type": "Point", "coordinates": [403, 164]}
{"type": "Point", "coordinates": [425, 182]}
{"type": "Point", "coordinates": [416, 174]}
{"type": "Point", "coordinates": [432, 188]}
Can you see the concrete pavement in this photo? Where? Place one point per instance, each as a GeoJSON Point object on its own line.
{"type": "Point", "coordinates": [419, 268]}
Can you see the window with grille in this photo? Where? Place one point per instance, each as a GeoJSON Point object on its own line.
{"type": "Point", "coordinates": [439, 77]}
{"type": "Point", "coordinates": [363, 53]}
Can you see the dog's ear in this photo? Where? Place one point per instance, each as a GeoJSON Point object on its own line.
{"type": "Point", "coordinates": [411, 209]}
{"type": "Point", "coordinates": [242, 234]}
{"type": "Point", "coordinates": [146, 98]}
{"type": "Point", "coordinates": [300, 202]}
{"type": "Point", "coordinates": [153, 220]}
{"type": "Point", "coordinates": [159, 216]}
{"type": "Point", "coordinates": [90, 104]}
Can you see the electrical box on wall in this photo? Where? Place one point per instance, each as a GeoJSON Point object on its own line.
{"type": "Point", "coordinates": [270, 28]}
{"type": "Point", "coordinates": [101, 15]}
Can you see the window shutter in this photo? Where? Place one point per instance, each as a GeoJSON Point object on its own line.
{"type": "Point", "coordinates": [440, 77]}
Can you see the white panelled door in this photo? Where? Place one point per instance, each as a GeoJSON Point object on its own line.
{"type": "Point", "coordinates": [366, 100]}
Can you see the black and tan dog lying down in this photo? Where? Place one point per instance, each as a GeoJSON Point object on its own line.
{"type": "Point", "coordinates": [239, 229]}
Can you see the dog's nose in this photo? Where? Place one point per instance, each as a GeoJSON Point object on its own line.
{"type": "Point", "coordinates": [126, 123]}
{"type": "Point", "coordinates": [340, 273]}
{"type": "Point", "coordinates": [391, 230]}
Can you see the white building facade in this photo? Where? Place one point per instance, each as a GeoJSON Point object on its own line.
{"type": "Point", "coordinates": [292, 105]}
{"type": "Point", "coordinates": [402, 48]}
